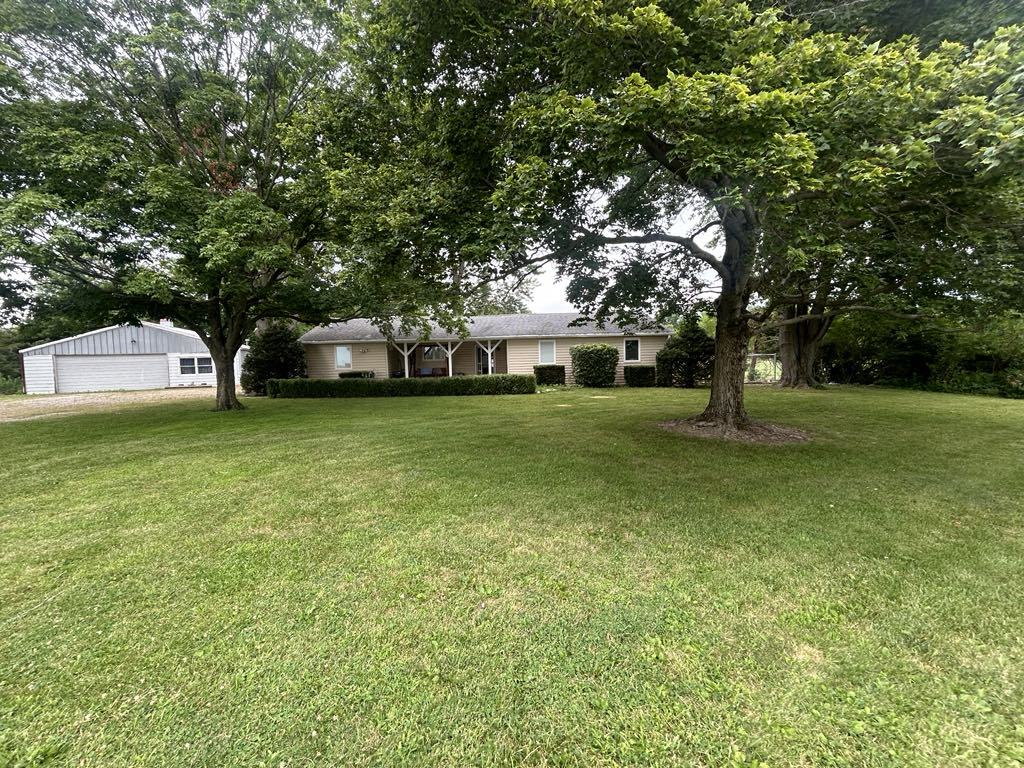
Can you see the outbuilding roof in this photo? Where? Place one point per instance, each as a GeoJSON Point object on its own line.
{"type": "Point", "coordinates": [144, 338]}
{"type": "Point", "coordinates": [545, 325]}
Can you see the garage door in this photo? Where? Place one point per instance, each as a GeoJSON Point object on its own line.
{"type": "Point", "coordinates": [96, 373]}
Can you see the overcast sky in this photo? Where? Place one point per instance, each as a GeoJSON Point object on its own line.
{"type": "Point", "coordinates": [549, 295]}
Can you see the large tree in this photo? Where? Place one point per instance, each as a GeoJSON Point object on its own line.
{"type": "Point", "coordinates": [912, 263]}
{"type": "Point", "coordinates": [152, 170]}
{"type": "Point", "coordinates": [663, 109]}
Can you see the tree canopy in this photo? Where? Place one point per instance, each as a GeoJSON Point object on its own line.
{"type": "Point", "coordinates": [621, 125]}
{"type": "Point", "coordinates": [151, 169]}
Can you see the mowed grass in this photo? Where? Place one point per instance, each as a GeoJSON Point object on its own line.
{"type": "Point", "coordinates": [530, 581]}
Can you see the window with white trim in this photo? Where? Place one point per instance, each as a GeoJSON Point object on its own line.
{"type": "Point", "coordinates": [631, 351]}
{"type": "Point", "coordinates": [433, 352]}
{"type": "Point", "coordinates": [546, 351]}
{"type": "Point", "coordinates": [343, 357]}
{"type": "Point", "coordinates": [191, 366]}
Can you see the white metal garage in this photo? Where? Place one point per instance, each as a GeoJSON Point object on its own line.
{"type": "Point", "coordinates": [121, 357]}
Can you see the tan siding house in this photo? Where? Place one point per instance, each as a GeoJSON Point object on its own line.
{"type": "Point", "coordinates": [494, 344]}
{"type": "Point", "coordinates": [523, 354]}
{"type": "Point", "coordinates": [366, 356]}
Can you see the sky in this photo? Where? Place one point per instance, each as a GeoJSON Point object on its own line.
{"type": "Point", "coordinates": [549, 296]}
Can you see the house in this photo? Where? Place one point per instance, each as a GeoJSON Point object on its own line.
{"type": "Point", "coordinates": [121, 357]}
{"type": "Point", "coordinates": [495, 344]}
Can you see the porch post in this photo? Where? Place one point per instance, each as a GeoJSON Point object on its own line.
{"type": "Point", "coordinates": [405, 357]}
{"type": "Point", "coordinates": [450, 353]}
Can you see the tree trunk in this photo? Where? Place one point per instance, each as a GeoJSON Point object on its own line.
{"type": "Point", "coordinates": [732, 333]}
{"type": "Point", "coordinates": [224, 363]}
{"type": "Point", "coordinates": [798, 349]}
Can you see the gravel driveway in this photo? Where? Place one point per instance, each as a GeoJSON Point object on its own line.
{"type": "Point", "coordinates": [21, 407]}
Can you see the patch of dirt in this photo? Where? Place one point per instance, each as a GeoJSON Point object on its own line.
{"type": "Point", "coordinates": [22, 408]}
{"type": "Point", "coordinates": [755, 432]}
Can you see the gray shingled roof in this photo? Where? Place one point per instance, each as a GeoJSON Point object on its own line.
{"type": "Point", "coordinates": [483, 327]}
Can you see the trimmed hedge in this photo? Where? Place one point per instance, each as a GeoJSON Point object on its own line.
{"type": "Point", "coordinates": [549, 374]}
{"type": "Point", "coordinates": [593, 365]}
{"type": "Point", "coordinates": [501, 384]}
{"type": "Point", "coordinates": [639, 375]}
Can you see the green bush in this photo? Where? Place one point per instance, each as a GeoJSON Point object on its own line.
{"type": "Point", "coordinates": [10, 385]}
{"type": "Point", "coordinates": [274, 353]}
{"type": "Point", "coordinates": [549, 374]}
{"type": "Point", "coordinates": [501, 384]}
{"type": "Point", "coordinates": [639, 375]}
{"type": "Point", "coordinates": [593, 365]}
{"type": "Point", "coordinates": [687, 358]}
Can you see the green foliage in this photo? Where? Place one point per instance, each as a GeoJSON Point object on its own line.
{"type": "Point", "coordinates": [549, 374]}
{"type": "Point", "coordinates": [639, 375]}
{"type": "Point", "coordinates": [10, 385]}
{"type": "Point", "coordinates": [509, 297]}
{"type": "Point", "coordinates": [945, 357]}
{"type": "Point", "coordinates": [828, 167]}
{"type": "Point", "coordinates": [153, 169]}
{"type": "Point", "coordinates": [688, 356]}
{"type": "Point", "coordinates": [594, 365]}
{"type": "Point", "coordinates": [274, 353]}
{"type": "Point", "coordinates": [499, 384]}
{"type": "Point", "coordinates": [933, 21]}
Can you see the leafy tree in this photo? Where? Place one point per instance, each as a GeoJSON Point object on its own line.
{"type": "Point", "coordinates": [904, 263]}
{"type": "Point", "coordinates": [507, 297]}
{"type": "Point", "coordinates": [688, 356]}
{"type": "Point", "coordinates": [589, 133]}
{"type": "Point", "coordinates": [982, 358]}
{"type": "Point", "coordinates": [402, 153]}
{"type": "Point", "coordinates": [662, 110]}
{"type": "Point", "coordinates": [933, 21]}
{"type": "Point", "coordinates": [152, 169]}
{"type": "Point", "coordinates": [274, 353]}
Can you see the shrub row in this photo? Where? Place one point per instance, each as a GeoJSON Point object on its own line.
{"type": "Point", "coordinates": [549, 374]}
{"type": "Point", "coordinates": [502, 384]}
{"type": "Point", "coordinates": [639, 375]}
{"type": "Point", "coordinates": [357, 375]}
{"type": "Point", "coordinates": [593, 365]}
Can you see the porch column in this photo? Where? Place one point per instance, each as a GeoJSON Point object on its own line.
{"type": "Point", "coordinates": [405, 349]}
{"type": "Point", "coordinates": [490, 347]}
{"type": "Point", "coordinates": [450, 352]}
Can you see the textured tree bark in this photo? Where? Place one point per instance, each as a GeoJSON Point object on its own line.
{"type": "Point", "coordinates": [798, 348]}
{"type": "Point", "coordinates": [732, 333]}
{"type": "Point", "coordinates": [224, 362]}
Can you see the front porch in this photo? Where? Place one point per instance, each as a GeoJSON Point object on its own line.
{"type": "Point", "coordinates": [474, 357]}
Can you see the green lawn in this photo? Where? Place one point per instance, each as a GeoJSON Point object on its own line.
{"type": "Point", "coordinates": [532, 580]}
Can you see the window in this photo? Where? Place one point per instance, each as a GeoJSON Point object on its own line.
{"type": "Point", "coordinates": [433, 353]}
{"type": "Point", "coordinates": [190, 366]}
{"type": "Point", "coordinates": [632, 351]}
{"type": "Point", "coordinates": [546, 352]}
{"type": "Point", "coordinates": [343, 356]}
